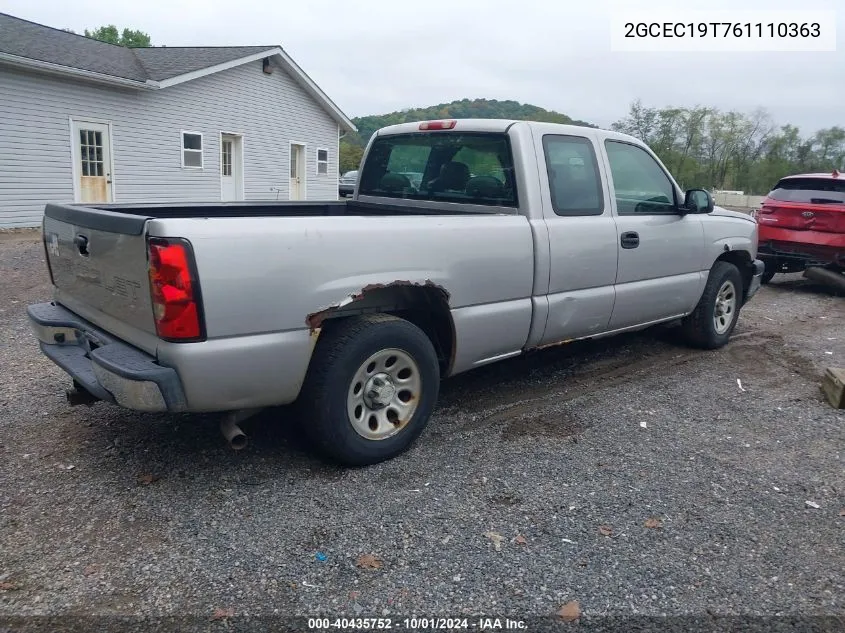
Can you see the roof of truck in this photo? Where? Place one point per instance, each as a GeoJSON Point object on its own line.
{"type": "Point", "coordinates": [501, 125]}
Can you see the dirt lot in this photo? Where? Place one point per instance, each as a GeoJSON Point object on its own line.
{"type": "Point", "coordinates": [564, 454]}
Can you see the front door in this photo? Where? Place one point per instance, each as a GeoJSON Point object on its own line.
{"type": "Point", "coordinates": [92, 158]}
{"type": "Point", "coordinates": [661, 250]}
{"type": "Point", "coordinates": [297, 172]}
{"type": "Point", "coordinates": [231, 167]}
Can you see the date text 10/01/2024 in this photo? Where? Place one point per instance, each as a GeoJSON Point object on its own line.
{"type": "Point", "coordinates": [416, 624]}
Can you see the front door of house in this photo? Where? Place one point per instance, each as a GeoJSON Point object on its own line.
{"type": "Point", "coordinates": [92, 158]}
{"type": "Point", "coordinates": [231, 163]}
{"type": "Point", "coordinates": [297, 172]}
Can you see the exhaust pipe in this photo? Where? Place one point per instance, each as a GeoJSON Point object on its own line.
{"type": "Point", "coordinates": [232, 432]}
{"type": "Point", "coordinates": [825, 276]}
{"type": "Point", "coordinates": [234, 435]}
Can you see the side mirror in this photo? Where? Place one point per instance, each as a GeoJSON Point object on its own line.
{"type": "Point", "coordinates": [698, 201]}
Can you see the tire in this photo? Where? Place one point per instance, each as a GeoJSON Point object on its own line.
{"type": "Point", "coordinates": [707, 327]}
{"type": "Point", "coordinates": [356, 409]}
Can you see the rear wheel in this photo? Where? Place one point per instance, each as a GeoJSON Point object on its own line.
{"type": "Point", "coordinates": [711, 323]}
{"type": "Point", "coordinates": [370, 390]}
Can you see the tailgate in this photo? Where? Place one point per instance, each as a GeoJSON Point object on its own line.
{"type": "Point", "coordinates": [828, 218]}
{"type": "Point", "coordinates": [99, 258]}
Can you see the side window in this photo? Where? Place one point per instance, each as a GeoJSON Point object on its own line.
{"type": "Point", "coordinates": [641, 186]}
{"type": "Point", "coordinates": [574, 180]}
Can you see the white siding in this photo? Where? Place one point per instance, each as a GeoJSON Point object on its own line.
{"type": "Point", "coordinates": [269, 110]}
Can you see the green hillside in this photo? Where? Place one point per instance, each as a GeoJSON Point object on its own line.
{"type": "Point", "coordinates": [352, 145]}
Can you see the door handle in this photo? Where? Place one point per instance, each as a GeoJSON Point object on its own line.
{"type": "Point", "coordinates": [630, 239]}
{"type": "Point", "coordinates": [81, 243]}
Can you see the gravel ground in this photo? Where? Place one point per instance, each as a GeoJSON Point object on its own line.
{"type": "Point", "coordinates": [561, 456]}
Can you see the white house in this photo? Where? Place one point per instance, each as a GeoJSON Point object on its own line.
{"type": "Point", "coordinates": [86, 121]}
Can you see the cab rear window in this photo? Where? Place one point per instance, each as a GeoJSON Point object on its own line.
{"type": "Point", "coordinates": [469, 168]}
{"type": "Point", "coordinates": [809, 190]}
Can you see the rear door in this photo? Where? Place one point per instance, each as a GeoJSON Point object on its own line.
{"type": "Point", "coordinates": [582, 237]}
{"type": "Point", "coordinates": [92, 161]}
{"type": "Point", "coordinates": [806, 204]}
{"type": "Point", "coordinates": [98, 261]}
{"type": "Point", "coordinates": [660, 249]}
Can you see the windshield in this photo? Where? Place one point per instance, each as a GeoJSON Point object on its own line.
{"type": "Point", "coordinates": [350, 175]}
{"type": "Point", "coordinates": [809, 190]}
{"type": "Point", "coordinates": [473, 168]}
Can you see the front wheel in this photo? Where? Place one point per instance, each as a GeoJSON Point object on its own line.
{"type": "Point", "coordinates": [711, 323]}
{"type": "Point", "coordinates": [370, 390]}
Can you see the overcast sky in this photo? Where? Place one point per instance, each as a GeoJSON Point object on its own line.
{"type": "Point", "coordinates": [378, 56]}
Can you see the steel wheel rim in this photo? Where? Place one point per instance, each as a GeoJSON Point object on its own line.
{"type": "Point", "coordinates": [384, 394]}
{"type": "Point", "coordinates": [724, 312]}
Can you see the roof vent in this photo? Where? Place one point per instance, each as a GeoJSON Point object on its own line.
{"type": "Point", "coordinates": [266, 67]}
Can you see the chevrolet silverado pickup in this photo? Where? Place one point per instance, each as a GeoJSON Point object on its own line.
{"type": "Point", "coordinates": [512, 236]}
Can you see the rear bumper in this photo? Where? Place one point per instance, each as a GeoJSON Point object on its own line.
{"type": "Point", "coordinates": [106, 367]}
{"type": "Point", "coordinates": [808, 247]}
{"type": "Point", "coordinates": [758, 267]}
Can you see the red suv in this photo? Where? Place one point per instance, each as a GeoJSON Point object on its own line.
{"type": "Point", "coordinates": [802, 225]}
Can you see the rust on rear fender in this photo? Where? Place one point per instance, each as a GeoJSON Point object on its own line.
{"type": "Point", "coordinates": [314, 321]}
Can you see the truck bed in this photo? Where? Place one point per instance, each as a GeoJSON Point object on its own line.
{"type": "Point", "coordinates": [129, 218]}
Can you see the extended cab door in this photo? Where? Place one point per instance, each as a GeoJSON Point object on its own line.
{"type": "Point", "coordinates": [582, 236]}
{"type": "Point", "coordinates": [660, 248]}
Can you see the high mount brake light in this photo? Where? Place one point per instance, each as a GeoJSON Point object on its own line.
{"type": "Point", "coordinates": [174, 291]}
{"type": "Point", "coordinates": [438, 125]}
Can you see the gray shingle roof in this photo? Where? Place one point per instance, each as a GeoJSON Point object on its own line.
{"type": "Point", "coordinates": [164, 63]}
{"type": "Point", "coordinates": [35, 41]}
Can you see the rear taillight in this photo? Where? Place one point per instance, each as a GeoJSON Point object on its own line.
{"type": "Point", "coordinates": [174, 290]}
{"type": "Point", "coordinates": [437, 125]}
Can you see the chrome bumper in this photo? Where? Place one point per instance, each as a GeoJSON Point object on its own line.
{"type": "Point", "coordinates": [106, 367]}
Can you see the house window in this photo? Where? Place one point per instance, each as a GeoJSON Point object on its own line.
{"type": "Point", "coordinates": [322, 162]}
{"type": "Point", "coordinates": [192, 149]}
{"type": "Point", "coordinates": [227, 158]}
{"type": "Point", "coordinates": [91, 148]}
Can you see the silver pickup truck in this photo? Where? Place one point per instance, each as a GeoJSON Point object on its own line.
{"type": "Point", "coordinates": [466, 242]}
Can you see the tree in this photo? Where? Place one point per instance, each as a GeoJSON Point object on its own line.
{"type": "Point", "coordinates": [350, 156]}
{"type": "Point", "coordinates": [705, 147]}
{"type": "Point", "coordinates": [129, 37]}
